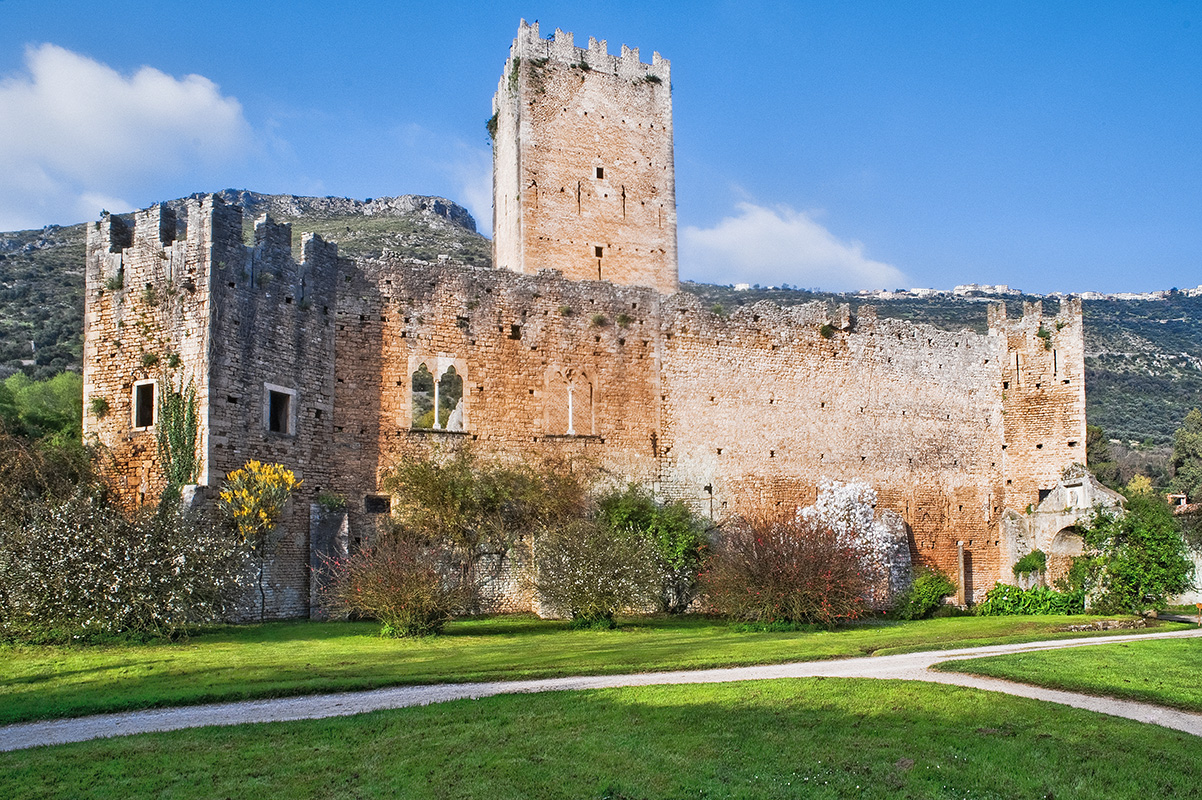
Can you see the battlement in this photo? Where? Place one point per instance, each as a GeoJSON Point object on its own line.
{"type": "Point", "coordinates": [561, 48]}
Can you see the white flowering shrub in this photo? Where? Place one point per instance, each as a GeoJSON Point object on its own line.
{"type": "Point", "coordinates": [81, 569]}
{"type": "Point", "coordinates": [849, 511]}
{"type": "Point", "coordinates": [587, 574]}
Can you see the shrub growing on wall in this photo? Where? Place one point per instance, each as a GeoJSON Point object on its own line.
{"type": "Point", "coordinates": [787, 569]}
{"type": "Point", "coordinates": [82, 569]}
{"type": "Point", "coordinates": [925, 594]}
{"type": "Point", "coordinates": [587, 574]}
{"type": "Point", "coordinates": [404, 581]}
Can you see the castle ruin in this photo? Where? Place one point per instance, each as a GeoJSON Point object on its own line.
{"type": "Point", "coordinates": [575, 344]}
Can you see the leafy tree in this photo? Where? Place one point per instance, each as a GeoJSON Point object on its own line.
{"type": "Point", "coordinates": [42, 409]}
{"type": "Point", "coordinates": [1187, 456]}
{"type": "Point", "coordinates": [1098, 458]}
{"type": "Point", "coordinates": [1133, 561]}
{"type": "Point", "coordinates": [480, 507]}
{"type": "Point", "coordinates": [674, 532]}
{"type": "Point", "coordinates": [253, 502]}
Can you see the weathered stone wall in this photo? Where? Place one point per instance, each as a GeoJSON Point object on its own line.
{"type": "Point", "coordinates": [584, 176]}
{"type": "Point", "coordinates": [764, 405]}
{"type": "Point", "coordinates": [195, 304]}
{"type": "Point", "coordinates": [1043, 398]}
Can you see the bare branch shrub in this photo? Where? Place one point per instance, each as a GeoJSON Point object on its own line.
{"type": "Point", "coordinates": [404, 580]}
{"type": "Point", "coordinates": [787, 569]}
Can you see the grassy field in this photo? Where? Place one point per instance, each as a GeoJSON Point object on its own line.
{"type": "Point", "coordinates": [303, 657]}
{"type": "Point", "coordinates": [812, 738]}
{"type": "Point", "coordinates": [1163, 672]}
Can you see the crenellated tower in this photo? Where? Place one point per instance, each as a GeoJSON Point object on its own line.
{"type": "Point", "coordinates": [179, 300]}
{"type": "Point", "coordinates": [583, 173]}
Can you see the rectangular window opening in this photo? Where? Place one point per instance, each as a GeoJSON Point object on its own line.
{"type": "Point", "coordinates": [377, 504]}
{"type": "Point", "coordinates": [279, 405]}
{"type": "Point", "coordinates": [277, 412]}
{"type": "Point", "coordinates": [600, 172]}
{"type": "Point", "coordinates": [144, 404]}
{"type": "Point", "coordinates": [599, 251]}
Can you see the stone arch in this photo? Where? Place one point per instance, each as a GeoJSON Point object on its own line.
{"type": "Point", "coordinates": [1066, 545]}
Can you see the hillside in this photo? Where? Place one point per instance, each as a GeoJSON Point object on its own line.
{"type": "Point", "coordinates": [1143, 359]}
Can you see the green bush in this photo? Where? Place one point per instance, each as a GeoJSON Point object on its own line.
{"type": "Point", "coordinates": [587, 574]}
{"type": "Point", "coordinates": [925, 594]}
{"type": "Point", "coordinates": [676, 535]}
{"type": "Point", "coordinates": [1134, 561]}
{"type": "Point", "coordinates": [1034, 561]}
{"type": "Point", "coordinates": [1006, 600]}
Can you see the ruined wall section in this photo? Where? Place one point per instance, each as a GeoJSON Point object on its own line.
{"type": "Point", "coordinates": [584, 176]}
{"type": "Point", "coordinates": [518, 342]}
{"type": "Point", "coordinates": [1043, 398]}
{"type": "Point", "coordinates": [146, 310]}
{"type": "Point", "coordinates": [762, 406]}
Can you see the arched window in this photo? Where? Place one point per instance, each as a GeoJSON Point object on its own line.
{"type": "Point", "coordinates": [450, 401]}
{"type": "Point", "coordinates": [445, 394]}
{"type": "Point", "coordinates": [423, 398]}
{"type": "Point", "coordinates": [569, 403]}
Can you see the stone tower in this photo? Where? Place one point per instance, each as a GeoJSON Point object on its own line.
{"type": "Point", "coordinates": [583, 174]}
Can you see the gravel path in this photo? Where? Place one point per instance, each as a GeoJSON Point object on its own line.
{"type": "Point", "coordinates": [908, 666]}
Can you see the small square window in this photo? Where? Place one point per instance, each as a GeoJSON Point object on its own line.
{"type": "Point", "coordinates": [144, 404]}
{"type": "Point", "coordinates": [278, 409]}
{"type": "Point", "coordinates": [599, 251]}
{"type": "Point", "coordinates": [600, 172]}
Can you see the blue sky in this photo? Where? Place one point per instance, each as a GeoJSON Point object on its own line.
{"type": "Point", "coordinates": [1049, 146]}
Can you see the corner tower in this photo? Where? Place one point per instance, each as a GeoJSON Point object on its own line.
{"type": "Point", "coordinates": [583, 174]}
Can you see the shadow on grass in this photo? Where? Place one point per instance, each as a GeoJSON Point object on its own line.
{"type": "Point", "coordinates": [786, 738]}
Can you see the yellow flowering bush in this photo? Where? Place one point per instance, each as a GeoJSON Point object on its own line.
{"type": "Point", "coordinates": [253, 502]}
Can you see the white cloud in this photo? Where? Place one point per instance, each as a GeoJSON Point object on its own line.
{"type": "Point", "coordinates": [771, 246]}
{"type": "Point", "coordinates": [74, 132]}
{"type": "Point", "coordinates": [473, 173]}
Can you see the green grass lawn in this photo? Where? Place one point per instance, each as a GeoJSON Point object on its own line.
{"type": "Point", "coordinates": [808, 738]}
{"type": "Point", "coordinates": [305, 657]}
{"type": "Point", "coordinates": [1163, 672]}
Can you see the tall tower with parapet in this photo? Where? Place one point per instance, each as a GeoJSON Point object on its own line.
{"type": "Point", "coordinates": [583, 174]}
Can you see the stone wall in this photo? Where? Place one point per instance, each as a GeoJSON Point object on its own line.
{"type": "Point", "coordinates": [727, 413]}
{"type": "Point", "coordinates": [184, 300]}
{"type": "Point", "coordinates": [584, 176]}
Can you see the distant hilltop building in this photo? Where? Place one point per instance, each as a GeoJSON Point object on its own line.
{"type": "Point", "coordinates": [574, 345]}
